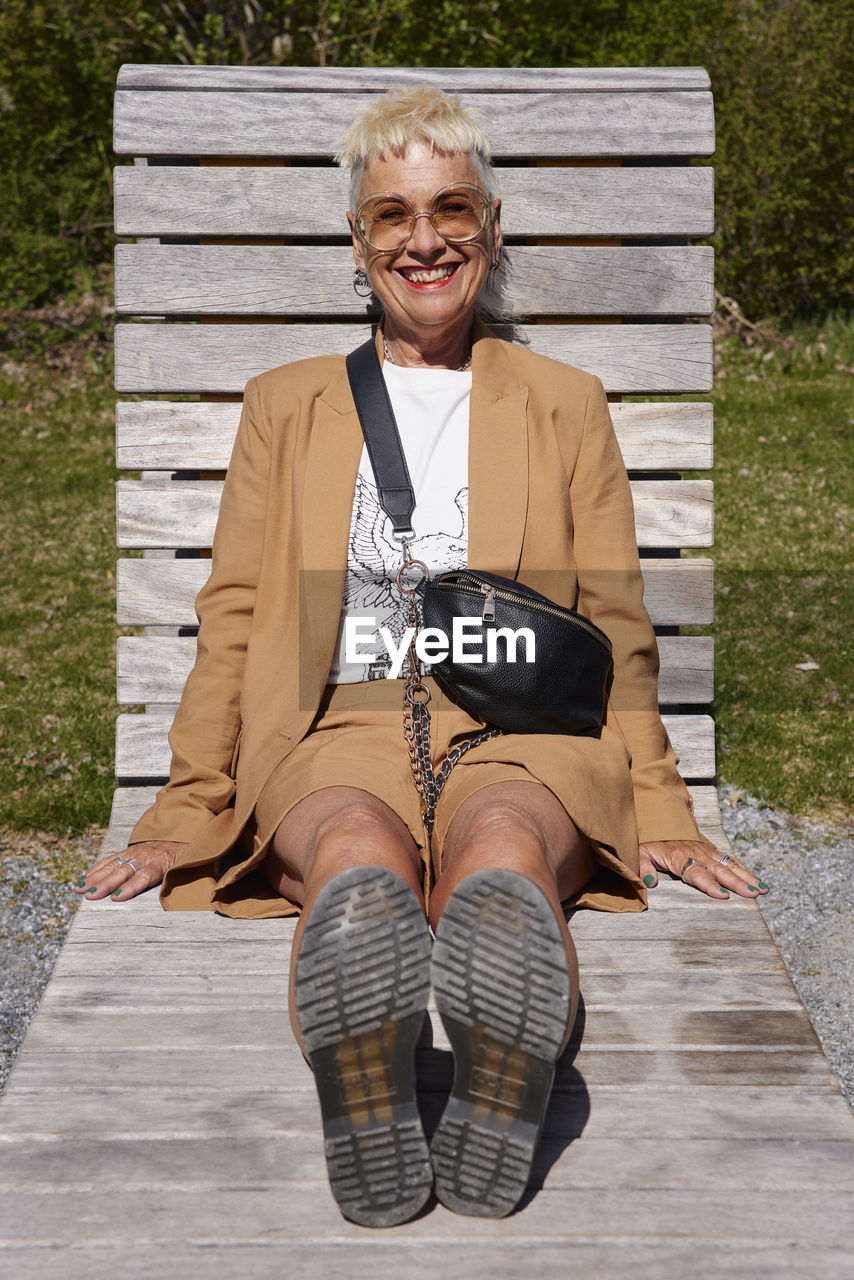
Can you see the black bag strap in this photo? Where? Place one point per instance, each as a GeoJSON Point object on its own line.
{"type": "Point", "coordinates": [396, 495]}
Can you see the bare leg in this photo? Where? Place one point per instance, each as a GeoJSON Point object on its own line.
{"type": "Point", "coordinates": [505, 978]}
{"type": "Point", "coordinates": [327, 832]}
{"type": "Point", "coordinates": [360, 979]}
{"type": "Point", "coordinates": [520, 826]}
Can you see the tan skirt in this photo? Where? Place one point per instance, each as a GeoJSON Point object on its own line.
{"type": "Point", "coordinates": [357, 740]}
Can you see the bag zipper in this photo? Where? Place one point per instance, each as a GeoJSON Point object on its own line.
{"type": "Point", "coordinates": [491, 594]}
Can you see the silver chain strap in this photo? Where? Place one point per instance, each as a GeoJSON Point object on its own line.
{"type": "Point", "coordinates": [416, 696]}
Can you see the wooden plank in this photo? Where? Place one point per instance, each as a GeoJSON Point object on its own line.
{"type": "Point", "coordinates": [287, 1160]}
{"type": "Point", "coordinates": [362, 1257]}
{"type": "Point", "coordinates": [678, 592]}
{"type": "Point", "coordinates": [156, 435]}
{"type": "Point", "coordinates": [706, 807]}
{"type": "Point", "coordinates": [379, 79]}
{"type": "Point", "coordinates": [163, 592]}
{"type": "Point", "coordinates": [550, 123]}
{"type": "Point", "coordinates": [634, 359]}
{"type": "Point", "coordinates": [155, 668]}
{"type": "Point", "coordinates": [142, 750]}
{"type": "Point", "coordinates": [317, 280]}
{"type": "Point", "coordinates": [668, 513]}
{"type": "Point", "coordinates": [601, 1111]}
{"type": "Point", "coordinates": [764, 1219]}
{"type": "Point", "coordinates": [229, 1066]}
{"type": "Point", "coordinates": [298, 202]}
{"type": "Point", "coordinates": [219, 993]}
{"type": "Point", "coordinates": [620, 1030]}
{"type": "Point", "coordinates": [455, 1258]}
{"type": "Point", "coordinates": [264, 962]}
{"type": "Point", "coordinates": [698, 918]}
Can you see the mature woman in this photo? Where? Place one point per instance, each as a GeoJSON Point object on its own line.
{"type": "Point", "coordinates": [290, 785]}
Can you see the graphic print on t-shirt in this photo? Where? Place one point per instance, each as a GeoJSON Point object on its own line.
{"type": "Point", "coordinates": [373, 558]}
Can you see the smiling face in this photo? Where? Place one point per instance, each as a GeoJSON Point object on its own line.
{"type": "Point", "coordinates": [427, 287]}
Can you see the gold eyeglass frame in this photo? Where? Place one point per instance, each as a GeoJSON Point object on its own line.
{"type": "Point", "coordinates": [414, 215]}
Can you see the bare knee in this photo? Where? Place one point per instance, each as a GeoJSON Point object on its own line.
{"type": "Point", "coordinates": [503, 817]}
{"type": "Point", "coordinates": [360, 827]}
{"type": "Point", "coordinates": [332, 830]}
{"type": "Point", "coordinates": [522, 827]}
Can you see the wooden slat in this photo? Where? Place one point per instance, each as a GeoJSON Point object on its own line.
{"type": "Point", "coordinates": [166, 200]}
{"type": "Point", "coordinates": [379, 79]}
{"type": "Point", "coordinates": [142, 750]}
{"type": "Point", "coordinates": [156, 435]}
{"type": "Point", "coordinates": [682, 1030]}
{"type": "Point", "coordinates": [223, 992]}
{"type": "Point", "coordinates": [668, 513]}
{"type": "Point", "coordinates": [162, 592]}
{"type": "Point", "coordinates": [453, 1255]}
{"type": "Point", "coordinates": [634, 359]}
{"type": "Point", "coordinates": [252, 1111]}
{"type": "Point", "coordinates": [250, 123]}
{"type": "Point", "coordinates": [765, 1217]}
{"type": "Point", "coordinates": [317, 280]}
{"type": "Point", "coordinates": [291, 1160]}
{"type": "Point", "coordinates": [619, 955]}
{"type": "Point", "coordinates": [155, 668]}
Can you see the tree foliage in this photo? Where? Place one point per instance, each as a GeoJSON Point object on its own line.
{"type": "Point", "coordinates": [781, 70]}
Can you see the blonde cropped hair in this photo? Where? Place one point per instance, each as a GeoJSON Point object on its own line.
{"type": "Point", "coordinates": [400, 117]}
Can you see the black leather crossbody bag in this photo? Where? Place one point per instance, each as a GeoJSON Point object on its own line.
{"type": "Point", "coordinates": [564, 689]}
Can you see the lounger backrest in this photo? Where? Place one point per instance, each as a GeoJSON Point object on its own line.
{"type": "Point", "coordinates": [235, 258]}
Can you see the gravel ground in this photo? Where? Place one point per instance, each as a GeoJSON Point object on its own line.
{"type": "Point", "coordinates": [810, 912]}
{"type": "Point", "coordinates": [36, 907]}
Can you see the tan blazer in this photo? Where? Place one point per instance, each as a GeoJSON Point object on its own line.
{"type": "Point", "coordinates": [549, 503]}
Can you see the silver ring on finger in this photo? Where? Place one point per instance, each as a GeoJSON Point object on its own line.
{"type": "Point", "coordinates": [120, 862]}
{"type": "Point", "coordinates": [688, 864]}
{"type": "Point", "coordinates": [723, 859]}
{"type": "Point", "coordinates": [132, 862]}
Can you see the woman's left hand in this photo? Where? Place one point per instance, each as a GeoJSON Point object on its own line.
{"type": "Point", "coordinates": [707, 872]}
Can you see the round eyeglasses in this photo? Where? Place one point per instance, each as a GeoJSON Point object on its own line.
{"type": "Point", "coordinates": [386, 221]}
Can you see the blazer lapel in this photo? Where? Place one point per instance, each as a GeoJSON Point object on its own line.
{"type": "Point", "coordinates": [332, 464]}
{"type": "Point", "coordinates": [498, 458]}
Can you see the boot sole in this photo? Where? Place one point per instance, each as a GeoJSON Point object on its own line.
{"type": "Point", "coordinates": [502, 987]}
{"type": "Point", "coordinates": [362, 981]}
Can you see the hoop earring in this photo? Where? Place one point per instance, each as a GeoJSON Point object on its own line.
{"type": "Point", "coordinates": [361, 284]}
{"type": "Point", "coordinates": [494, 265]}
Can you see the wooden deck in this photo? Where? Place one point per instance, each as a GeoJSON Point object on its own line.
{"type": "Point", "coordinates": [160, 1120]}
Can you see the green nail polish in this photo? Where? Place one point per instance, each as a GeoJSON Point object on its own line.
{"type": "Point", "coordinates": [754, 888]}
{"type": "Point", "coordinates": [80, 883]}
{"type": "Point", "coordinates": [115, 893]}
{"type": "Point", "coordinates": [92, 888]}
{"type": "Point", "coordinates": [649, 881]}
{"type": "Point", "coordinates": [763, 885]}
{"type": "Point", "coordinates": [723, 891]}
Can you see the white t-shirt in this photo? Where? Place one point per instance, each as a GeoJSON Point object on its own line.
{"type": "Point", "coordinates": [431, 407]}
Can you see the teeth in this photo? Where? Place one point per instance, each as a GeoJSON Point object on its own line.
{"type": "Point", "coordinates": [425, 276]}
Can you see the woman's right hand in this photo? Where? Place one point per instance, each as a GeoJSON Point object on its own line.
{"type": "Point", "coordinates": [121, 876]}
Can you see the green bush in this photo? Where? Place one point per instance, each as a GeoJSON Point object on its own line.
{"type": "Point", "coordinates": [782, 74]}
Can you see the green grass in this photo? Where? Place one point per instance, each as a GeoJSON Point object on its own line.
{"type": "Point", "coordinates": [57, 628]}
{"type": "Point", "coordinates": [782, 472]}
{"type": "Point", "coordinates": [784, 418]}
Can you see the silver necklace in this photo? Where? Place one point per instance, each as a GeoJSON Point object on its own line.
{"type": "Point", "coordinates": [459, 369]}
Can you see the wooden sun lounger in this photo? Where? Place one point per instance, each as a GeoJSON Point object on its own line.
{"type": "Point", "coordinates": [160, 1120]}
